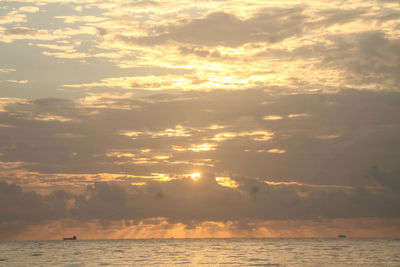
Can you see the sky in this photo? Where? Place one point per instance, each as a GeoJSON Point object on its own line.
{"type": "Point", "coordinates": [206, 118]}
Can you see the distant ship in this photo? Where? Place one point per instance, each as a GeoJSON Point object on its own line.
{"type": "Point", "coordinates": [341, 236]}
{"type": "Point", "coordinates": [70, 238]}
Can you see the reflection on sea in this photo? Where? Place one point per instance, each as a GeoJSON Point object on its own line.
{"type": "Point", "coordinates": [199, 252]}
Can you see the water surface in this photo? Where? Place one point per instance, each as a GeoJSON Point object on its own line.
{"type": "Point", "coordinates": [203, 252]}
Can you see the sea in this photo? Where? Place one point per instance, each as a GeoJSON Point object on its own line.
{"type": "Point", "coordinates": [203, 252]}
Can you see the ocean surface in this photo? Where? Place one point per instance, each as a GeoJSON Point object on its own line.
{"type": "Point", "coordinates": [203, 252]}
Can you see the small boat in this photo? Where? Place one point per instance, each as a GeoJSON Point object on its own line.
{"type": "Point", "coordinates": [341, 236]}
{"type": "Point", "coordinates": [70, 238]}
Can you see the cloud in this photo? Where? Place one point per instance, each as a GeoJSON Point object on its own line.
{"type": "Point", "coordinates": [21, 209]}
{"type": "Point", "coordinates": [390, 181]}
{"type": "Point", "coordinates": [389, 1]}
{"type": "Point", "coordinates": [199, 52]}
{"type": "Point", "coordinates": [331, 17]}
{"type": "Point", "coordinates": [26, 33]}
{"type": "Point", "coordinates": [287, 105]}
{"type": "Point", "coordinates": [29, 9]}
{"type": "Point", "coordinates": [12, 17]}
{"type": "Point", "coordinates": [80, 19]}
{"type": "Point", "coordinates": [315, 177]}
{"type": "Point", "coordinates": [18, 82]}
{"type": "Point", "coordinates": [180, 133]}
{"type": "Point", "coordinates": [193, 202]}
{"type": "Point", "coordinates": [236, 46]}
{"type": "Point", "coordinates": [145, 3]}
{"type": "Point", "coordinates": [22, 31]}
{"type": "Point", "coordinates": [276, 151]}
{"type": "Point", "coordinates": [220, 28]}
{"type": "Point", "coordinates": [369, 57]}
{"type": "Point", "coordinates": [6, 70]}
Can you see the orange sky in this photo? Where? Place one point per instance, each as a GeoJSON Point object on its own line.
{"type": "Point", "coordinates": [356, 228]}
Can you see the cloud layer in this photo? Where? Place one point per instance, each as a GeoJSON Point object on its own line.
{"type": "Point", "coordinates": [293, 157]}
{"type": "Point", "coordinates": [192, 202]}
{"type": "Point", "coordinates": [222, 132]}
{"type": "Point", "coordinates": [207, 45]}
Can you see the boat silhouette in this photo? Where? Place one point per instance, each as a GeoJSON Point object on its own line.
{"type": "Point", "coordinates": [342, 236]}
{"type": "Point", "coordinates": [70, 238]}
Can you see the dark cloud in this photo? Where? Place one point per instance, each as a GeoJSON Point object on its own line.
{"type": "Point", "coordinates": [22, 31]}
{"type": "Point", "coordinates": [199, 52]}
{"type": "Point", "coordinates": [19, 209]}
{"type": "Point", "coordinates": [389, 15]}
{"type": "Point", "coordinates": [272, 25]}
{"type": "Point", "coordinates": [337, 16]}
{"type": "Point", "coordinates": [145, 3]}
{"type": "Point", "coordinates": [101, 31]}
{"type": "Point", "coordinates": [30, 206]}
{"type": "Point", "coordinates": [369, 57]}
{"type": "Point", "coordinates": [364, 59]}
{"type": "Point", "coordinates": [269, 25]}
{"type": "Point", "coordinates": [192, 202]}
{"type": "Point", "coordinates": [388, 180]}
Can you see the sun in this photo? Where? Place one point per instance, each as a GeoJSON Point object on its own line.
{"type": "Point", "coordinates": [195, 176]}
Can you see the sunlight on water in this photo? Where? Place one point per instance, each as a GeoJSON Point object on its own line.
{"type": "Point", "coordinates": [199, 252]}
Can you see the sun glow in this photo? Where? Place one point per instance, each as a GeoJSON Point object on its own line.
{"type": "Point", "coordinates": [226, 181]}
{"type": "Point", "coordinates": [194, 176]}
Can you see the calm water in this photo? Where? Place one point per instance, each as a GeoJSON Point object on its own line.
{"type": "Point", "coordinates": [199, 252]}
